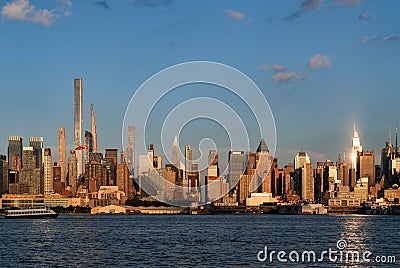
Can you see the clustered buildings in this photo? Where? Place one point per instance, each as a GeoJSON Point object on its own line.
{"type": "Point", "coordinates": [30, 174]}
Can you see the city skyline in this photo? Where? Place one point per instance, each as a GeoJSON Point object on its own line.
{"type": "Point", "coordinates": [342, 69]}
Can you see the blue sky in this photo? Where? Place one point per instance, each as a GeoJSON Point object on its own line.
{"type": "Point", "coordinates": [322, 65]}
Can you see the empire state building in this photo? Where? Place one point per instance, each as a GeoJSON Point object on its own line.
{"type": "Point", "coordinates": [355, 149]}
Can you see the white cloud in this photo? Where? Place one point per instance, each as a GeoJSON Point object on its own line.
{"type": "Point", "coordinates": [236, 15]}
{"type": "Point", "coordinates": [319, 61]}
{"type": "Point", "coordinates": [275, 68]}
{"type": "Point", "coordinates": [282, 77]}
{"type": "Point", "coordinates": [23, 10]}
{"type": "Point", "coordinates": [369, 38]}
{"type": "Point", "coordinates": [391, 38]}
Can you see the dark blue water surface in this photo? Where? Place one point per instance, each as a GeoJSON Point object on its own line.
{"type": "Point", "coordinates": [189, 241]}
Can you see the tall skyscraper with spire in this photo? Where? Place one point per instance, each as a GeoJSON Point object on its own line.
{"type": "Point", "coordinates": [130, 150]}
{"type": "Point", "coordinates": [175, 154]}
{"type": "Point", "coordinates": [356, 147]}
{"type": "Point", "coordinates": [93, 128]}
{"type": "Point", "coordinates": [61, 154]}
{"type": "Point", "coordinates": [78, 125]}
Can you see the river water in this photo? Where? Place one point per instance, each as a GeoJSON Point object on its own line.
{"type": "Point", "coordinates": [196, 240]}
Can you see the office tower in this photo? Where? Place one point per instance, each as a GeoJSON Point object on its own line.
{"type": "Point", "coordinates": [356, 148]}
{"type": "Point", "coordinates": [111, 162]}
{"type": "Point", "coordinates": [264, 173]}
{"type": "Point", "coordinates": [123, 175]}
{"type": "Point", "coordinates": [269, 183]}
{"type": "Point", "coordinates": [212, 181]}
{"type": "Point", "coordinates": [236, 167]}
{"type": "Point", "coordinates": [307, 182]}
{"type": "Point", "coordinates": [37, 144]}
{"type": "Point", "coordinates": [15, 152]}
{"type": "Point", "coordinates": [388, 154]}
{"type": "Point", "coordinates": [3, 174]}
{"type": "Point", "coordinates": [188, 166]}
{"type": "Point", "coordinates": [213, 158]}
{"type": "Point", "coordinates": [300, 159]}
{"type": "Point", "coordinates": [47, 172]}
{"type": "Point", "coordinates": [78, 126]}
{"type": "Point", "coordinates": [61, 155]}
{"type": "Point", "coordinates": [93, 128]}
{"type": "Point", "coordinates": [96, 173]}
{"type": "Point", "coordinates": [89, 143]}
{"type": "Point", "coordinates": [301, 174]}
{"type": "Point", "coordinates": [155, 161]}
{"type": "Point", "coordinates": [73, 171]}
{"type": "Point", "coordinates": [130, 150]}
{"type": "Point", "coordinates": [366, 166]}
{"type": "Point", "coordinates": [175, 154]}
{"type": "Point", "coordinates": [344, 173]}
{"type": "Point", "coordinates": [319, 188]}
{"type": "Point", "coordinates": [30, 176]}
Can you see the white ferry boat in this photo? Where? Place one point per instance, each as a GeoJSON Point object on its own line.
{"type": "Point", "coordinates": [42, 212]}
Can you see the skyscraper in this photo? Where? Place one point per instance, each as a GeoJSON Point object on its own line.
{"type": "Point", "coordinates": [356, 147]}
{"type": "Point", "coordinates": [89, 147]}
{"type": "Point", "coordinates": [37, 144]}
{"type": "Point", "coordinates": [300, 159]}
{"type": "Point", "coordinates": [30, 176]}
{"type": "Point", "coordinates": [93, 128]}
{"type": "Point", "coordinates": [236, 167]}
{"type": "Point", "coordinates": [366, 166]}
{"type": "Point", "coordinates": [307, 182]}
{"type": "Point", "coordinates": [15, 152]}
{"type": "Point", "coordinates": [73, 170]}
{"type": "Point", "coordinates": [78, 125]}
{"type": "Point", "coordinates": [175, 154]}
{"type": "Point", "coordinates": [3, 174]}
{"type": "Point", "coordinates": [130, 150]}
{"type": "Point", "coordinates": [123, 175]}
{"type": "Point", "coordinates": [188, 166]}
{"type": "Point", "coordinates": [302, 175]}
{"type": "Point", "coordinates": [47, 172]}
{"type": "Point", "coordinates": [61, 154]}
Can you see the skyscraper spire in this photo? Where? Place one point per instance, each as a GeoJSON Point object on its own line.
{"type": "Point", "coordinates": [390, 135]}
{"type": "Point", "coordinates": [355, 148]}
{"type": "Point", "coordinates": [396, 135]}
{"type": "Point", "coordinates": [175, 154]}
{"type": "Point", "coordinates": [93, 128]}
